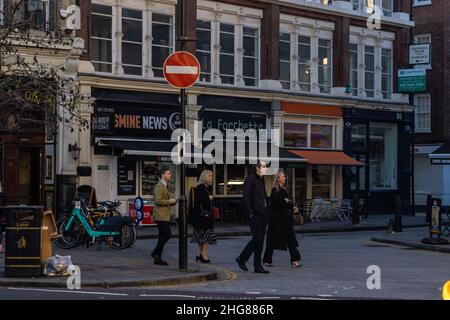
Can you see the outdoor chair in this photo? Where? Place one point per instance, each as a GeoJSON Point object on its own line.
{"type": "Point", "coordinates": [344, 211]}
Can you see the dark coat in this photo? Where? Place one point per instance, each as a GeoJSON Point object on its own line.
{"type": "Point", "coordinates": [255, 197]}
{"type": "Point", "coordinates": [281, 224]}
{"type": "Point", "coordinates": [202, 202]}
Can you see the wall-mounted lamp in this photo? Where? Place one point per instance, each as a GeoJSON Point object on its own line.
{"type": "Point", "coordinates": [75, 151]}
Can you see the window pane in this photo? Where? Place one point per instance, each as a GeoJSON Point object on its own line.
{"type": "Point", "coordinates": [101, 50]}
{"type": "Point", "coordinates": [358, 136]}
{"type": "Point", "coordinates": [131, 53]}
{"type": "Point", "coordinates": [159, 55]}
{"type": "Point", "coordinates": [220, 179]}
{"type": "Point", "coordinates": [295, 135]}
{"type": "Point", "coordinates": [101, 26]}
{"type": "Point", "coordinates": [321, 181]}
{"type": "Point", "coordinates": [162, 34]}
{"type": "Point", "coordinates": [204, 40]}
{"type": "Point", "coordinates": [321, 136]}
{"type": "Point", "coordinates": [285, 51]}
{"type": "Point", "coordinates": [227, 43]}
{"type": "Point", "coordinates": [285, 71]}
{"type": "Point", "coordinates": [132, 30]}
{"type": "Point", "coordinates": [235, 179]}
{"type": "Point", "coordinates": [162, 18]}
{"type": "Point", "coordinates": [97, 8]}
{"type": "Point", "coordinates": [383, 156]}
{"type": "Point", "coordinates": [134, 14]}
{"type": "Point", "coordinates": [250, 67]}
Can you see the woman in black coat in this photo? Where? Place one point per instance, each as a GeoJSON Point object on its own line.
{"type": "Point", "coordinates": [280, 234]}
{"type": "Point", "coordinates": [204, 234]}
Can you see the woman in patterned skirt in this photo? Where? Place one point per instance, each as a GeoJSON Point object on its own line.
{"type": "Point", "coordinates": [202, 217]}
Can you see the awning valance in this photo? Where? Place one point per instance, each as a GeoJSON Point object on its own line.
{"type": "Point", "coordinates": [140, 147]}
{"type": "Point", "coordinates": [326, 157]}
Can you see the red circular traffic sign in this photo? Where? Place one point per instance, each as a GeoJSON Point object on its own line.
{"type": "Point", "coordinates": [181, 69]}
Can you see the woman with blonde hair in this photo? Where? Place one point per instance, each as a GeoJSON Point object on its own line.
{"type": "Point", "coordinates": [280, 234]}
{"type": "Point", "coordinates": [202, 217]}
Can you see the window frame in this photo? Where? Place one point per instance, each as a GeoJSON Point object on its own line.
{"type": "Point", "coordinates": [48, 16]}
{"type": "Point", "coordinates": [205, 51]}
{"type": "Point", "coordinates": [111, 40]}
{"type": "Point", "coordinates": [416, 113]}
{"type": "Point", "coordinates": [122, 18]}
{"type": "Point", "coordinates": [418, 3]}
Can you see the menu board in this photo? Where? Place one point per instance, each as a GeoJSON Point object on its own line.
{"type": "Point", "coordinates": [126, 178]}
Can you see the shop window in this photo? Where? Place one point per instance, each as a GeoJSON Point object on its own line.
{"type": "Point", "coordinates": [226, 68]}
{"type": "Point", "coordinates": [38, 13]}
{"type": "Point", "coordinates": [235, 179]}
{"type": "Point", "coordinates": [383, 156]}
{"type": "Point", "coordinates": [163, 44]}
{"type": "Point", "coordinates": [301, 183]}
{"type": "Point", "coordinates": [296, 135]}
{"type": "Point", "coordinates": [321, 136]}
{"type": "Point", "coordinates": [149, 176]}
{"type": "Point", "coordinates": [132, 42]}
{"type": "Point", "coordinates": [321, 181]}
{"type": "Point", "coordinates": [324, 66]}
{"type": "Point", "coordinates": [369, 75]}
{"type": "Point", "coordinates": [126, 177]}
{"type": "Point", "coordinates": [250, 56]}
{"type": "Point", "coordinates": [220, 179]}
{"type": "Point", "coordinates": [285, 60]}
{"type": "Point", "coordinates": [358, 138]}
{"type": "Point", "coordinates": [353, 65]}
{"type": "Point", "coordinates": [386, 73]}
{"type": "Point", "coordinates": [358, 174]}
{"type": "Point", "coordinates": [101, 38]}
{"type": "Point", "coordinates": [204, 49]}
{"type": "Point", "coordinates": [304, 63]}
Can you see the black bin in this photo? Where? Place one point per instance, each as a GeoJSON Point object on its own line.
{"type": "Point", "coordinates": [23, 241]}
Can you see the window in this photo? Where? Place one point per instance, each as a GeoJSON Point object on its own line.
{"type": "Point", "coordinates": [296, 135]}
{"type": "Point", "coordinates": [422, 38]}
{"type": "Point", "coordinates": [132, 42]}
{"type": "Point", "coordinates": [285, 60]}
{"type": "Point", "coordinates": [358, 138]}
{"type": "Point", "coordinates": [101, 38]}
{"type": "Point", "coordinates": [304, 63]}
{"type": "Point", "coordinates": [353, 65]}
{"type": "Point", "coordinates": [321, 181]}
{"type": "Point", "coordinates": [250, 56]}
{"type": "Point", "coordinates": [163, 44]}
{"type": "Point", "coordinates": [204, 49]}
{"type": "Point", "coordinates": [226, 69]}
{"type": "Point", "coordinates": [369, 74]}
{"type": "Point", "coordinates": [358, 174]}
{"type": "Point", "coordinates": [321, 136]}
{"type": "Point", "coordinates": [421, 2]}
{"type": "Point", "coordinates": [422, 108]}
{"type": "Point", "coordinates": [324, 66]}
{"type": "Point", "coordinates": [37, 12]}
{"type": "Point", "coordinates": [386, 73]}
{"type": "Point", "coordinates": [383, 156]}
{"type": "Point", "coordinates": [387, 7]}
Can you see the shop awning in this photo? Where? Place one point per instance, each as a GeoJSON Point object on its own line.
{"type": "Point", "coordinates": [441, 155]}
{"type": "Point", "coordinates": [326, 157]}
{"type": "Point", "coordinates": [139, 147]}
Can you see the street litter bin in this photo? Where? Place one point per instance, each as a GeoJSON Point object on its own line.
{"type": "Point", "coordinates": [23, 241]}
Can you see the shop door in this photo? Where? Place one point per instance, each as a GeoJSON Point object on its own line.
{"type": "Point", "coordinates": [103, 179]}
{"type": "Point", "coordinates": [23, 175]}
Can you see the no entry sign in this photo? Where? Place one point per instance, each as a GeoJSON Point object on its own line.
{"type": "Point", "coordinates": [181, 69]}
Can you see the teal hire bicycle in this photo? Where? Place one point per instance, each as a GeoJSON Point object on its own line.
{"type": "Point", "coordinates": [78, 227]}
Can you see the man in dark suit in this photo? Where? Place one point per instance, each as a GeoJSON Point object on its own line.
{"type": "Point", "coordinates": [255, 205]}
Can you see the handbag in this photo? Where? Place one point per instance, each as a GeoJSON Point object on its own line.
{"type": "Point", "coordinates": [203, 212]}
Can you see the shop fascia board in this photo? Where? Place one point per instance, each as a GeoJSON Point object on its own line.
{"type": "Point", "coordinates": [125, 83]}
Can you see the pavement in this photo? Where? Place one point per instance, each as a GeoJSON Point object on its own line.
{"type": "Point", "coordinates": [117, 268]}
{"type": "Point", "coordinates": [372, 223]}
{"type": "Point", "coordinates": [412, 238]}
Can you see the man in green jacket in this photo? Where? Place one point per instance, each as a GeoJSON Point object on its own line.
{"type": "Point", "coordinates": [161, 213]}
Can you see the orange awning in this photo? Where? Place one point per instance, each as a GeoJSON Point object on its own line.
{"type": "Point", "coordinates": [326, 157]}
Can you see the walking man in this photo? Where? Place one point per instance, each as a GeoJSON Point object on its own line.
{"type": "Point", "coordinates": [161, 211]}
{"type": "Point", "coordinates": [255, 205]}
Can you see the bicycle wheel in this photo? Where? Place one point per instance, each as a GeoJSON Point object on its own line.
{"type": "Point", "coordinates": [69, 238]}
{"type": "Point", "coordinates": [125, 239]}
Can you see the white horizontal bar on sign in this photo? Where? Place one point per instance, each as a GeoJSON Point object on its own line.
{"type": "Point", "coordinates": [182, 69]}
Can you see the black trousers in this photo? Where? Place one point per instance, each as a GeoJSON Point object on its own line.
{"type": "Point", "coordinates": [164, 235]}
{"type": "Point", "coordinates": [258, 224]}
{"type": "Point", "coordinates": [293, 251]}
{"type": "Point", "coordinates": [2, 229]}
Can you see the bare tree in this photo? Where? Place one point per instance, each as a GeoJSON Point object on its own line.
{"type": "Point", "coordinates": [35, 90]}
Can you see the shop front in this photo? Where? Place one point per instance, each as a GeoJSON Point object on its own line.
{"type": "Point", "coordinates": [131, 134]}
{"type": "Point", "coordinates": [314, 132]}
{"type": "Point", "coordinates": [382, 140]}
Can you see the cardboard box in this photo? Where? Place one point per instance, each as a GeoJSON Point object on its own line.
{"type": "Point", "coordinates": [49, 232]}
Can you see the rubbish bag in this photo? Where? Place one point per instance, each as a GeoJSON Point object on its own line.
{"type": "Point", "coordinates": [57, 266]}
